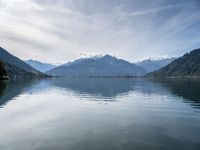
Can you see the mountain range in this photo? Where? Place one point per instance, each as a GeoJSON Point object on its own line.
{"type": "Point", "coordinates": [105, 66]}
{"type": "Point", "coordinates": [152, 65]}
{"type": "Point", "coordinates": [186, 66]}
{"type": "Point", "coordinates": [16, 68]}
{"type": "Point", "coordinates": [148, 64]}
{"type": "Point", "coordinates": [41, 66]}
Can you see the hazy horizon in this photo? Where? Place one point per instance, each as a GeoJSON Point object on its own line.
{"type": "Point", "coordinates": [60, 31]}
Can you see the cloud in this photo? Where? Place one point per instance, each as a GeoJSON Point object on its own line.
{"type": "Point", "coordinates": [59, 30]}
{"type": "Point", "coordinates": [154, 10]}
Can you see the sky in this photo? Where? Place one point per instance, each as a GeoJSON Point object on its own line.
{"type": "Point", "coordinates": [58, 31]}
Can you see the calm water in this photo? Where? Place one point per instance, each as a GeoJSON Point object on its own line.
{"type": "Point", "coordinates": [100, 114]}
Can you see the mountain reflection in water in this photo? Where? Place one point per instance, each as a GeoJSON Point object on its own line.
{"type": "Point", "coordinates": [105, 89]}
{"type": "Point", "coordinates": [100, 114]}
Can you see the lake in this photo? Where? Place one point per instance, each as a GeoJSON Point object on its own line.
{"type": "Point", "coordinates": [100, 114]}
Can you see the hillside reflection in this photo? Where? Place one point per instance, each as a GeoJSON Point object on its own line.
{"type": "Point", "coordinates": [107, 89]}
{"type": "Point", "coordinates": [11, 89]}
{"type": "Point", "coordinates": [186, 88]}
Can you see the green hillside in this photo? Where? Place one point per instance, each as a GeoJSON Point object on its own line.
{"type": "Point", "coordinates": [186, 66]}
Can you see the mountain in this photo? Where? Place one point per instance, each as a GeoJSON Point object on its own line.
{"type": "Point", "coordinates": [152, 65]}
{"type": "Point", "coordinates": [186, 66]}
{"type": "Point", "coordinates": [106, 66]}
{"type": "Point", "coordinates": [16, 68]}
{"type": "Point", "coordinates": [3, 74]}
{"type": "Point", "coordinates": [43, 67]}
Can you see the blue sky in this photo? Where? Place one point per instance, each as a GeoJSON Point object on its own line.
{"type": "Point", "coordinates": [57, 31]}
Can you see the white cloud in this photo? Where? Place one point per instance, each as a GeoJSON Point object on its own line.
{"type": "Point", "coordinates": [58, 31]}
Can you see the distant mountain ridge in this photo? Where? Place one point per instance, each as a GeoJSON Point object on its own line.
{"type": "Point", "coordinates": [152, 65]}
{"type": "Point", "coordinates": [16, 68]}
{"type": "Point", "coordinates": [106, 66]}
{"type": "Point", "coordinates": [186, 66]}
{"type": "Point", "coordinates": [43, 67]}
{"type": "Point", "coordinates": [99, 67]}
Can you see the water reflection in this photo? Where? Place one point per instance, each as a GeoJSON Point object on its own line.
{"type": "Point", "coordinates": [108, 88]}
{"type": "Point", "coordinates": [105, 89]}
{"type": "Point", "coordinates": [10, 90]}
{"type": "Point", "coordinates": [111, 88]}
{"type": "Point", "coordinates": [2, 88]}
{"type": "Point", "coordinates": [187, 88]}
{"type": "Point", "coordinates": [141, 114]}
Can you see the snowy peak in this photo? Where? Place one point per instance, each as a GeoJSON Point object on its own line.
{"type": "Point", "coordinates": [98, 66]}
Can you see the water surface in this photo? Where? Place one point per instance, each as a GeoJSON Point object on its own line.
{"type": "Point", "coordinates": [100, 114]}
